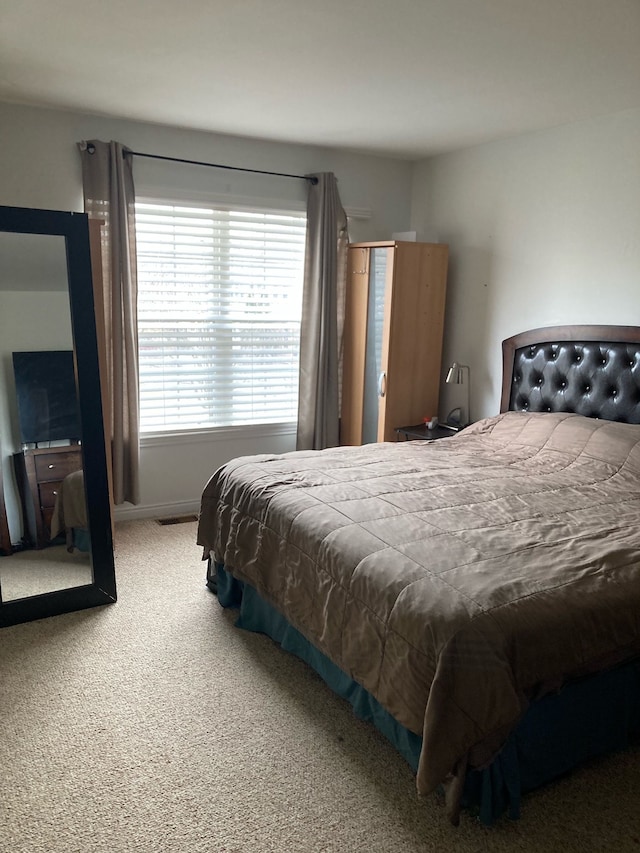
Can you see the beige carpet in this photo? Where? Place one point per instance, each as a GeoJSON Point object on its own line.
{"type": "Point", "coordinates": [155, 725]}
{"type": "Point", "coordinates": [34, 572]}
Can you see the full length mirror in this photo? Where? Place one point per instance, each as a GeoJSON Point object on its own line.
{"type": "Point", "coordinates": [55, 519]}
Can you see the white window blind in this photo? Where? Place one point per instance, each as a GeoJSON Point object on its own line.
{"type": "Point", "coordinates": [219, 305]}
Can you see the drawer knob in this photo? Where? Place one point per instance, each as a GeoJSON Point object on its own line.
{"type": "Point", "coordinates": [52, 466]}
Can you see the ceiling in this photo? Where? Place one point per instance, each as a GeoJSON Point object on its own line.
{"type": "Point", "coordinates": [408, 78]}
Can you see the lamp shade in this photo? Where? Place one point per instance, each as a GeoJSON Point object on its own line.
{"type": "Point", "coordinates": [455, 376]}
{"type": "Point", "coordinates": [460, 374]}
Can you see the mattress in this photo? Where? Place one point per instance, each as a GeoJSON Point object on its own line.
{"type": "Point", "coordinates": [456, 580]}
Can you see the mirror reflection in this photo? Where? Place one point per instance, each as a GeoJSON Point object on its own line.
{"type": "Point", "coordinates": [43, 503]}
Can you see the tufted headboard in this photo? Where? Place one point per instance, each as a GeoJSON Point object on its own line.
{"type": "Point", "coordinates": [591, 370]}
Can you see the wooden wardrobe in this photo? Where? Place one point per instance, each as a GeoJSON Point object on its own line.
{"type": "Point", "coordinates": [392, 351]}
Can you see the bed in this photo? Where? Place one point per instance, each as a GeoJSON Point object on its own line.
{"type": "Point", "coordinates": [476, 597]}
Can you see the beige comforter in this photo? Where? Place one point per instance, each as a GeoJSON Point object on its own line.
{"type": "Point", "coordinates": [455, 580]}
{"type": "Point", "coordinates": [70, 509]}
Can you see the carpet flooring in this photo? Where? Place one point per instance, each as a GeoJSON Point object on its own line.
{"type": "Point", "coordinates": [155, 725]}
{"type": "Point", "coordinates": [34, 572]}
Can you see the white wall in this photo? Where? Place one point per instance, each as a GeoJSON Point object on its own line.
{"type": "Point", "coordinates": [544, 229]}
{"type": "Point", "coordinates": [40, 167]}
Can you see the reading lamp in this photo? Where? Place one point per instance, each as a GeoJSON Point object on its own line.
{"type": "Point", "coordinates": [459, 374]}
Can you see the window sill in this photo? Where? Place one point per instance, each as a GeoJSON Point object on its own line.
{"type": "Point", "coordinates": [228, 433]}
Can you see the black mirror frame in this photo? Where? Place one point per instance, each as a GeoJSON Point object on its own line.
{"type": "Point", "coordinates": [74, 227]}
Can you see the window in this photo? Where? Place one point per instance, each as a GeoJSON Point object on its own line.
{"type": "Point", "coordinates": [219, 305]}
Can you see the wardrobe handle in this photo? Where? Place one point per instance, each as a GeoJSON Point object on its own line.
{"type": "Point", "coordinates": [382, 384]}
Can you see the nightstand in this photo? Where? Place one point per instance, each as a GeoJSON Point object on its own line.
{"type": "Point", "coordinates": [39, 472]}
{"type": "Point", "coordinates": [422, 431]}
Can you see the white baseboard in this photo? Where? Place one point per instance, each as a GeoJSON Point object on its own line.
{"type": "Point", "coordinates": [128, 512]}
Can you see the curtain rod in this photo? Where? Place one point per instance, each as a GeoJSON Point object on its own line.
{"type": "Point", "coordinates": [127, 151]}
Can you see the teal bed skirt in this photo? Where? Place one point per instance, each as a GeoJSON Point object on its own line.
{"type": "Point", "coordinates": [588, 717]}
{"type": "Point", "coordinates": [80, 539]}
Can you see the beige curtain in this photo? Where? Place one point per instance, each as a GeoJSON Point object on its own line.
{"type": "Point", "coordinates": [109, 197]}
{"type": "Point", "coordinates": [322, 316]}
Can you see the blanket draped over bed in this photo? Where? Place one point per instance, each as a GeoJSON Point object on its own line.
{"type": "Point", "coordinates": [455, 580]}
{"type": "Point", "coordinates": [70, 510]}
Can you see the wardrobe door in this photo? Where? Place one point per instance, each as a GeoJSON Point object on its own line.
{"type": "Point", "coordinates": [366, 332]}
{"type": "Point", "coordinates": [414, 341]}
{"type": "Point", "coordinates": [376, 347]}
